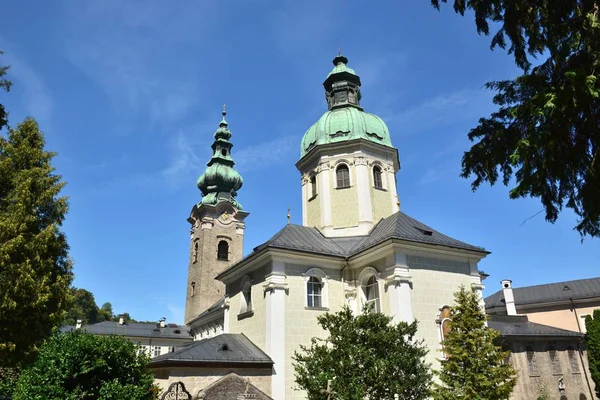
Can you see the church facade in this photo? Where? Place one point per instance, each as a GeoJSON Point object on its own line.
{"type": "Point", "coordinates": [355, 247]}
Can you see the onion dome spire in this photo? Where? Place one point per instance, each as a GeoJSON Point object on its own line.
{"type": "Point", "coordinates": [220, 182]}
{"type": "Point", "coordinates": [342, 86]}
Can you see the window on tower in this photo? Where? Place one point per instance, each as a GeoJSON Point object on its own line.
{"type": "Point", "coordinates": [195, 250]}
{"type": "Point", "coordinates": [377, 179]}
{"type": "Point", "coordinates": [342, 174]}
{"type": "Point", "coordinates": [223, 251]}
{"type": "Point", "coordinates": [313, 186]}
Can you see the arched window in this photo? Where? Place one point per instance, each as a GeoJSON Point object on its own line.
{"type": "Point", "coordinates": [246, 295]}
{"type": "Point", "coordinates": [193, 289]}
{"type": "Point", "coordinates": [314, 292]}
{"type": "Point", "coordinates": [582, 397]}
{"type": "Point", "coordinates": [316, 288]}
{"type": "Point", "coordinates": [573, 361]}
{"type": "Point", "coordinates": [342, 175]}
{"type": "Point", "coordinates": [371, 292]}
{"type": "Point", "coordinates": [223, 251]}
{"type": "Point", "coordinates": [377, 179]}
{"type": "Point", "coordinates": [531, 362]}
{"type": "Point", "coordinates": [554, 360]}
{"type": "Point", "coordinates": [313, 186]}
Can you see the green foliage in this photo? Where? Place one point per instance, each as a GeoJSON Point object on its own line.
{"type": "Point", "coordinates": [4, 84]}
{"type": "Point", "coordinates": [475, 368]}
{"type": "Point", "coordinates": [35, 269]}
{"type": "Point", "coordinates": [83, 307]}
{"type": "Point", "coordinates": [82, 366]}
{"type": "Point", "coordinates": [592, 339]}
{"type": "Point", "coordinates": [545, 131]}
{"type": "Point", "coordinates": [8, 381]}
{"type": "Point", "coordinates": [365, 356]}
{"type": "Point", "coordinates": [105, 313]}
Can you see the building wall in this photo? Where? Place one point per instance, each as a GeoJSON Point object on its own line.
{"type": "Point", "coordinates": [155, 347]}
{"type": "Point", "coordinates": [252, 326]}
{"type": "Point", "coordinates": [196, 379]}
{"type": "Point", "coordinates": [434, 282]}
{"type": "Point", "coordinates": [544, 379]}
{"type": "Point", "coordinates": [344, 202]}
{"type": "Point", "coordinates": [313, 208]}
{"type": "Point", "coordinates": [301, 322]}
{"type": "Point", "coordinates": [560, 317]}
{"type": "Point", "coordinates": [382, 199]}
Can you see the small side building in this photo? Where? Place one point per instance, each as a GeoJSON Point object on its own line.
{"type": "Point", "coordinates": [226, 366]}
{"type": "Point", "coordinates": [154, 338]}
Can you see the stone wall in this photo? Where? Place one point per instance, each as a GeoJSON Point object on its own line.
{"type": "Point", "coordinates": [196, 379]}
{"type": "Point", "coordinates": [538, 375]}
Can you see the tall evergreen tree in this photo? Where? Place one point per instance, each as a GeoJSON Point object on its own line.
{"type": "Point", "coordinates": [35, 268]}
{"type": "Point", "coordinates": [365, 356]}
{"type": "Point", "coordinates": [592, 340]}
{"type": "Point", "coordinates": [5, 85]}
{"type": "Point", "coordinates": [475, 368]}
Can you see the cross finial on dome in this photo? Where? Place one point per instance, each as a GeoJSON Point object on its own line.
{"type": "Point", "coordinates": [223, 113]}
{"type": "Point", "coordinates": [339, 48]}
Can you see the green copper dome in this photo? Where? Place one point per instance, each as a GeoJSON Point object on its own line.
{"type": "Point", "coordinates": [345, 120]}
{"type": "Point", "coordinates": [344, 124]}
{"type": "Point", "coordinates": [220, 182]}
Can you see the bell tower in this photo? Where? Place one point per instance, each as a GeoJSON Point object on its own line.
{"type": "Point", "coordinates": [217, 226]}
{"type": "Point", "coordinates": [347, 162]}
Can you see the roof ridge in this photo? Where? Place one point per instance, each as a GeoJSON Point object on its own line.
{"type": "Point", "coordinates": [556, 283]}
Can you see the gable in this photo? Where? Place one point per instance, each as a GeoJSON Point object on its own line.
{"type": "Point", "coordinates": [232, 387]}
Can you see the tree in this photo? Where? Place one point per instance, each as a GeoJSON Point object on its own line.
{"type": "Point", "coordinates": [475, 368]}
{"type": "Point", "coordinates": [35, 268]}
{"type": "Point", "coordinates": [592, 340]}
{"type": "Point", "coordinates": [105, 313]}
{"type": "Point", "coordinates": [4, 84]}
{"type": "Point", "coordinates": [83, 366]}
{"type": "Point", "coordinates": [365, 356]}
{"type": "Point", "coordinates": [545, 132]}
{"type": "Point", "coordinates": [83, 308]}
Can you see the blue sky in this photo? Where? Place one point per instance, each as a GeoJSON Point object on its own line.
{"type": "Point", "coordinates": [130, 93]}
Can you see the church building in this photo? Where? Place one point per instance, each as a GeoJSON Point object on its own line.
{"type": "Point", "coordinates": [355, 247]}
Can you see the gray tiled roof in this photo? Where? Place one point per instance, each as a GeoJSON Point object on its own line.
{"type": "Point", "coordinates": [396, 226]}
{"type": "Point", "coordinates": [298, 237]}
{"type": "Point", "coordinates": [139, 329]}
{"type": "Point", "coordinates": [401, 226]}
{"type": "Point", "coordinates": [233, 348]}
{"type": "Point", "coordinates": [550, 292]}
{"type": "Point", "coordinates": [520, 326]}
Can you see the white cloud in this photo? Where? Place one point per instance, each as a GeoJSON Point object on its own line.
{"type": "Point", "coordinates": [126, 46]}
{"type": "Point", "coordinates": [265, 155]}
{"type": "Point", "coordinates": [443, 110]}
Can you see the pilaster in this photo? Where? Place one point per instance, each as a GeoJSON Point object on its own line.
{"type": "Point", "coordinates": [323, 174]}
{"type": "Point", "coordinates": [399, 286]}
{"type": "Point", "coordinates": [365, 210]}
{"type": "Point", "coordinates": [275, 288]}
